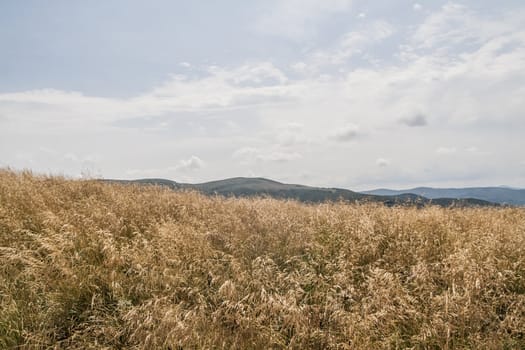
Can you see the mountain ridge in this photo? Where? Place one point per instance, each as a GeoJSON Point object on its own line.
{"type": "Point", "coordinates": [258, 186]}
{"type": "Point", "coordinates": [500, 194]}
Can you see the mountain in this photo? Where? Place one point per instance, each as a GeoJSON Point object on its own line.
{"type": "Point", "coordinates": [501, 195]}
{"type": "Point", "coordinates": [246, 187]}
{"type": "Point", "coordinates": [241, 186]}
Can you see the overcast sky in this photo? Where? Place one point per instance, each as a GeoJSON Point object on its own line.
{"type": "Point", "coordinates": [339, 93]}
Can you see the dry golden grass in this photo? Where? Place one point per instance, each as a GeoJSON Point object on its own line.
{"type": "Point", "coordinates": [88, 265]}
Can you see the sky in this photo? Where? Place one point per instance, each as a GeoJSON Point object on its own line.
{"type": "Point", "coordinates": [335, 93]}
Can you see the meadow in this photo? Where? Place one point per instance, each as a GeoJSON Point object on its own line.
{"type": "Point", "coordinates": [92, 265]}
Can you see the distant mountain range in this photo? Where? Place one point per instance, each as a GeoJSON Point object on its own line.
{"type": "Point", "coordinates": [501, 195]}
{"type": "Point", "coordinates": [246, 187]}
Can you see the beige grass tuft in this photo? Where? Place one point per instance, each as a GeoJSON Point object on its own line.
{"type": "Point", "coordinates": [88, 265]}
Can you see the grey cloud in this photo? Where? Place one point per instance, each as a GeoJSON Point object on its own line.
{"type": "Point", "coordinates": [347, 133]}
{"type": "Point", "coordinates": [288, 139]}
{"type": "Point", "coordinates": [415, 120]}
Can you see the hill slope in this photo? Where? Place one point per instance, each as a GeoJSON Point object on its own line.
{"type": "Point", "coordinates": [248, 187]}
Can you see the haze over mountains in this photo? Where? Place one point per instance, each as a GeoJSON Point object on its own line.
{"type": "Point", "coordinates": [245, 187]}
{"type": "Point", "coordinates": [501, 195]}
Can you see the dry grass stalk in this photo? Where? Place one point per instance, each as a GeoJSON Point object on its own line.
{"type": "Point", "coordinates": [87, 265]}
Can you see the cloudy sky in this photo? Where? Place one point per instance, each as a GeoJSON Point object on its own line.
{"type": "Point", "coordinates": [348, 93]}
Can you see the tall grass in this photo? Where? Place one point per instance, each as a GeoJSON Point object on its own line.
{"type": "Point", "coordinates": [89, 265]}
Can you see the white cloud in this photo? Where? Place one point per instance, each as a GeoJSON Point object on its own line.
{"type": "Point", "coordinates": [279, 156]}
{"type": "Point", "coordinates": [381, 162]}
{"type": "Point", "coordinates": [190, 164]}
{"type": "Point", "coordinates": [477, 152]}
{"type": "Point", "coordinates": [472, 93]}
{"type": "Point", "coordinates": [454, 25]}
{"type": "Point", "coordinates": [260, 74]}
{"type": "Point", "coordinates": [72, 157]}
{"type": "Point", "coordinates": [446, 150]}
{"type": "Point", "coordinates": [353, 43]}
{"type": "Point", "coordinates": [297, 19]}
{"type": "Point", "coordinates": [442, 27]}
{"type": "Point", "coordinates": [246, 153]}
{"type": "Point", "coordinates": [289, 135]}
{"type": "Point", "coordinates": [417, 7]}
{"type": "Point", "coordinates": [250, 154]}
{"type": "Point", "coordinates": [451, 87]}
{"type": "Point", "coordinates": [294, 126]}
{"type": "Point", "coordinates": [183, 168]}
{"type": "Point", "coordinates": [249, 85]}
{"type": "Point", "coordinates": [143, 172]}
{"type": "Point", "coordinates": [300, 67]}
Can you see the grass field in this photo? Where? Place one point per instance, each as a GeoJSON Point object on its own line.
{"type": "Point", "coordinates": [89, 265]}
